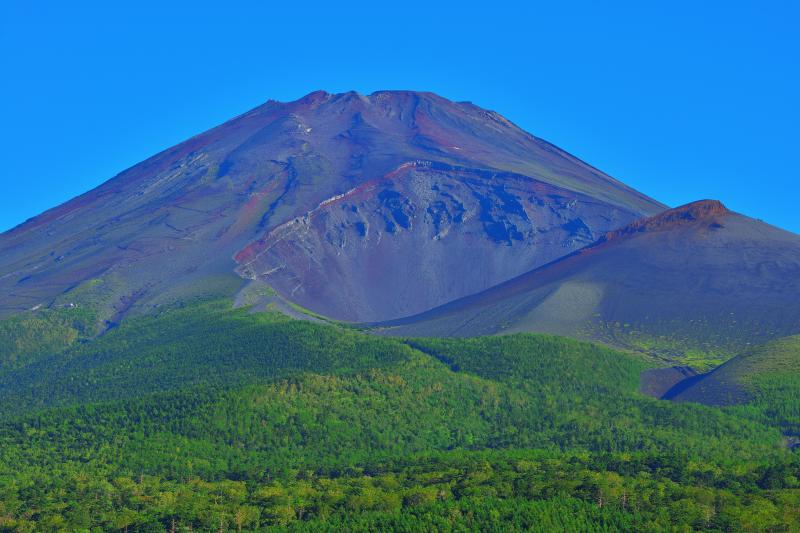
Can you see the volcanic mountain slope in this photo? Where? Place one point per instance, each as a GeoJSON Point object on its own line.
{"type": "Point", "coordinates": [694, 278]}
{"type": "Point", "coordinates": [357, 207]}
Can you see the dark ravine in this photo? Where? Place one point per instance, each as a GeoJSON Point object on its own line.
{"type": "Point", "coordinates": [657, 382]}
{"type": "Point", "coordinates": [708, 391]}
{"type": "Point", "coordinates": [684, 384]}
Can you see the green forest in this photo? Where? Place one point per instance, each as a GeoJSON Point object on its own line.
{"type": "Point", "coordinates": [201, 417]}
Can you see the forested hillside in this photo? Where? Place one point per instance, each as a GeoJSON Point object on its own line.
{"type": "Point", "coordinates": [207, 418]}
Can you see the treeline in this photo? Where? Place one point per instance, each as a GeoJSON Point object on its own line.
{"type": "Point", "coordinates": [205, 344]}
{"type": "Point", "coordinates": [26, 338]}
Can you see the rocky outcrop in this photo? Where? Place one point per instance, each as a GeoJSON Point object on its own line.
{"type": "Point", "coordinates": [669, 219]}
{"type": "Point", "coordinates": [366, 254]}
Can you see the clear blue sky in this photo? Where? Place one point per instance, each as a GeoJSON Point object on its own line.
{"type": "Point", "coordinates": [681, 100]}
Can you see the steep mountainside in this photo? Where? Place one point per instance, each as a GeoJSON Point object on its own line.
{"type": "Point", "coordinates": [698, 278]}
{"type": "Point", "coordinates": [358, 207]}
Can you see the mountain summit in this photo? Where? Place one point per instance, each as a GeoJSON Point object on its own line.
{"type": "Point", "coordinates": [358, 207]}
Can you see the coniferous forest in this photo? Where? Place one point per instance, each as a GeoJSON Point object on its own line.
{"type": "Point", "coordinates": [204, 418]}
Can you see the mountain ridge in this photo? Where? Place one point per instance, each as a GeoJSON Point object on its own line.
{"type": "Point", "coordinates": [697, 278]}
{"type": "Point", "coordinates": [175, 224]}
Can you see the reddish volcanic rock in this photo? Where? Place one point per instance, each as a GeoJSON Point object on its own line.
{"type": "Point", "coordinates": [669, 219]}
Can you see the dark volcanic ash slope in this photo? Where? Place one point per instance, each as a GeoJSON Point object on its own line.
{"type": "Point", "coordinates": [696, 277]}
{"type": "Point", "coordinates": [358, 207]}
